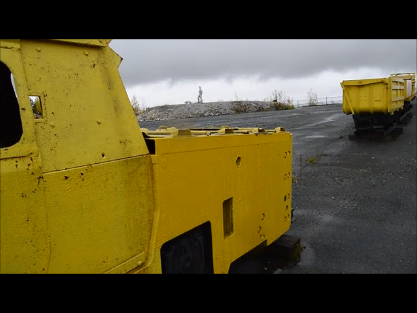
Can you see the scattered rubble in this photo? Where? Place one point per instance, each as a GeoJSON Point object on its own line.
{"type": "Point", "coordinates": [180, 111]}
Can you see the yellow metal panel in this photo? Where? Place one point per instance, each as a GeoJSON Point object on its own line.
{"type": "Point", "coordinates": [409, 84]}
{"type": "Point", "coordinates": [195, 174]}
{"type": "Point", "coordinates": [100, 216]}
{"type": "Point", "coordinates": [363, 82]}
{"type": "Point", "coordinates": [10, 43]}
{"type": "Point", "coordinates": [89, 118]}
{"type": "Point", "coordinates": [396, 85]}
{"type": "Point", "coordinates": [371, 96]}
{"type": "Point", "coordinates": [24, 238]}
{"type": "Point", "coordinates": [80, 192]}
{"type": "Point", "coordinates": [130, 264]}
{"type": "Point", "coordinates": [88, 42]}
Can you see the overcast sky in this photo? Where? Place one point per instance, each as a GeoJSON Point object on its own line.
{"type": "Point", "coordinates": [161, 72]}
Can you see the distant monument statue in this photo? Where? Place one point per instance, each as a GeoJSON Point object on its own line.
{"type": "Point", "coordinates": [200, 95]}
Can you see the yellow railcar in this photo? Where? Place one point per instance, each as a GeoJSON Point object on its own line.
{"type": "Point", "coordinates": [378, 103]}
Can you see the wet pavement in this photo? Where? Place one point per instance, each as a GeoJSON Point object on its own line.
{"type": "Point", "coordinates": [355, 201]}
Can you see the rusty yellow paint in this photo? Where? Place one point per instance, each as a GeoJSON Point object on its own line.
{"type": "Point", "coordinates": [82, 193]}
{"type": "Point", "coordinates": [100, 215]}
{"type": "Point", "coordinates": [24, 229]}
{"type": "Point", "coordinates": [195, 174]}
{"type": "Point", "coordinates": [377, 95]}
{"type": "Point", "coordinates": [76, 190]}
{"type": "Point", "coordinates": [84, 97]}
{"type": "Point", "coordinates": [24, 232]}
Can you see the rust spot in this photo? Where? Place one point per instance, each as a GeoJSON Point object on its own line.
{"type": "Point", "coordinates": [66, 177]}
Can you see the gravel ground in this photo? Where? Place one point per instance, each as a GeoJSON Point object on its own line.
{"type": "Point", "coordinates": [180, 111]}
{"type": "Point", "coordinates": [356, 205]}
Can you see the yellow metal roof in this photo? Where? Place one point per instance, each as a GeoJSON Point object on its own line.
{"type": "Point", "coordinates": [88, 42]}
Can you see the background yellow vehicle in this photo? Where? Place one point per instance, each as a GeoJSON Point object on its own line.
{"type": "Point", "coordinates": [85, 190]}
{"type": "Point", "coordinates": [379, 103]}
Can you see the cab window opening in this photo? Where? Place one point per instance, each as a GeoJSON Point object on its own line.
{"type": "Point", "coordinates": [11, 129]}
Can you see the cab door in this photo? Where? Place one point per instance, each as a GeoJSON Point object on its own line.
{"type": "Point", "coordinates": [24, 239]}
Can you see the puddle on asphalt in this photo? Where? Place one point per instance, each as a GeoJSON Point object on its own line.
{"type": "Point", "coordinates": [316, 136]}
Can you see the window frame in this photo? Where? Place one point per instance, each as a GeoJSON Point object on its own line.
{"type": "Point", "coordinates": [27, 145]}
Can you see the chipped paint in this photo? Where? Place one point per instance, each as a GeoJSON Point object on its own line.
{"type": "Point", "coordinates": [82, 193]}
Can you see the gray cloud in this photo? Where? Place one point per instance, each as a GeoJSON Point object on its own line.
{"type": "Point", "coordinates": [147, 61]}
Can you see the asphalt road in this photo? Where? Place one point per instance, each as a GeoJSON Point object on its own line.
{"type": "Point", "coordinates": [356, 204]}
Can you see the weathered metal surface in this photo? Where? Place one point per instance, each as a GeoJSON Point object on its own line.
{"type": "Point", "coordinates": [371, 96]}
{"type": "Point", "coordinates": [76, 190]}
{"type": "Point", "coordinates": [195, 174]}
{"type": "Point", "coordinates": [99, 216]}
{"type": "Point", "coordinates": [409, 84]}
{"type": "Point", "coordinates": [25, 246]}
{"type": "Point", "coordinates": [85, 190]}
{"type": "Point", "coordinates": [88, 118]}
{"type": "Point", "coordinates": [87, 42]}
